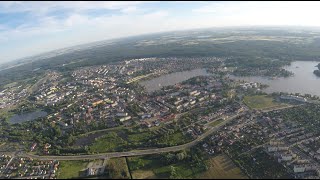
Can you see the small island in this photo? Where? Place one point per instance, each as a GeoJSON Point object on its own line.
{"type": "Point", "coordinates": [317, 72]}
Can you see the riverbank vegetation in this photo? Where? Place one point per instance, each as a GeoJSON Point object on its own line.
{"type": "Point", "coordinates": [258, 66]}
{"type": "Point", "coordinates": [317, 72]}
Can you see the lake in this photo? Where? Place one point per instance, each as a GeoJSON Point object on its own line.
{"type": "Point", "coordinates": [27, 117]}
{"type": "Point", "coordinates": [171, 79]}
{"type": "Point", "coordinates": [303, 81]}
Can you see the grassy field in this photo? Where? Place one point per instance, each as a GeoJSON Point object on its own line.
{"type": "Point", "coordinates": [221, 167]}
{"type": "Point", "coordinates": [120, 165]}
{"type": "Point", "coordinates": [107, 143]}
{"type": "Point", "coordinates": [260, 102]}
{"type": "Point", "coordinates": [102, 130]}
{"type": "Point", "coordinates": [139, 137]}
{"type": "Point", "coordinates": [140, 162]}
{"type": "Point", "coordinates": [214, 123]}
{"type": "Point", "coordinates": [148, 167]}
{"type": "Point", "coordinates": [10, 85]}
{"type": "Point", "coordinates": [6, 114]}
{"type": "Point", "coordinates": [139, 78]}
{"type": "Point", "coordinates": [184, 170]}
{"type": "Point", "coordinates": [174, 139]}
{"type": "Point", "coordinates": [143, 167]}
{"type": "Point", "coordinates": [143, 174]}
{"type": "Point", "coordinates": [70, 169]}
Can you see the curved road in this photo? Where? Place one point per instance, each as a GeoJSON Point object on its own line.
{"type": "Point", "coordinates": [141, 152]}
{"type": "Point", "coordinates": [134, 152]}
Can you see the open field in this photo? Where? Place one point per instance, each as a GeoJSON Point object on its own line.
{"type": "Point", "coordinates": [6, 114]}
{"type": "Point", "coordinates": [139, 78]}
{"type": "Point", "coordinates": [10, 85]}
{"type": "Point", "coordinates": [120, 167]}
{"type": "Point", "coordinates": [184, 170]}
{"type": "Point", "coordinates": [174, 139]}
{"type": "Point", "coordinates": [151, 168]}
{"type": "Point", "coordinates": [144, 167]}
{"type": "Point", "coordinates": [143, 174]}
{"type": "Point", "coordinates": [89, 137]}
{"type": "Point", "coordinates": [139, 137]}
{"type": "Point", "coordinates": [107, 143]}
{"type": "Point", "coordinates": [260, 102]}
{"type": "Point", "coordinates": [221, 167]}
{"type": "Point", "coordinates": [214, 123]}
{"type": "Point", "coordinates": [70, 169]}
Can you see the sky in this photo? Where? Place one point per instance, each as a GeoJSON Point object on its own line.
{"type": "Point", "coordinates": [29, 28]}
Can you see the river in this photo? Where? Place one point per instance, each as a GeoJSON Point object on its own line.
{"type": "Point", "coordinates": [303, 81]}
{"type": "Point", "coordinates": [171, 79]}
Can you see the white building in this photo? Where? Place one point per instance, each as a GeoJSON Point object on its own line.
{"type": "Point", "coordinates": [125, 118]}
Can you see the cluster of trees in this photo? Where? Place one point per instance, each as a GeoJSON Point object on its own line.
{"type": "Point", "coordinates": [24, 107]}
{"type": "Point", "coordinates": [170, 158]}
{"type": "Point", "coordinates": [198, 80]}
{"type": "Point", "coordinates": [247, 66]}
{"type": "Point", "coordinates": [194, 157]}
{"type": "Point", "coordinates": [317, 72]}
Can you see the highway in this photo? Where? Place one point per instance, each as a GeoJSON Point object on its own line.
{"type": "Point", "coordinates": [144, 151]}
{"type": "Point", "coordinates": [134, 152]}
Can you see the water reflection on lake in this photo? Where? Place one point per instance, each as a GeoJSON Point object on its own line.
{"type": "Point", "coordinates": [171, 79]}
{"type": "Point", "coordinates": [303, 81]}
{"type": "Point", "coordinates": [27, 117]}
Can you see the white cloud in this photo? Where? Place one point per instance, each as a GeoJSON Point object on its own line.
{"type": "Point", "coordinates": [75, 19]}
{"type": "Point", "coordinates": [129, 9]}
{"type": "Point", "coordinates": [263, 13]}
{"type": "Point", "coordinates": [53, 33]}
{"type": "Point", "coordinates": [83, 29]}
{"type": "Point", "coordinates": [46, 6]}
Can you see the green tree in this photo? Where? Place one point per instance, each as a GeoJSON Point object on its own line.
{"type": "Point", "coordinates": [173, 173]}
{"type": "Point", "coordinates": [140, 163]}
{"type": "Point", "coordinates": [182, 155]}
{"type": "Point", "coordinates": [57, 131]}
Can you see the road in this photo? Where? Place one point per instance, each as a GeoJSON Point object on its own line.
{"type": "Point", "coordinates": [134, 152]}
{"type": "Point", "coordinates": [141, 152]}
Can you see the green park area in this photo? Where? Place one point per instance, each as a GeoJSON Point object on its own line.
{"type": "Point", "coordinates": [151, 167]}
{"type": "Point", "coordinates": [70, 169]}
{"type": "Point", "coordinates": [260, 102]}
{"type": "Point", "coordinates": [125, 140]}
{"type": "Point", "coordinates": [174, 139]}
{"type": "Point", "coordinates": [107, 143]}
{"type": "Point", "coordinates": [215, 123]}
{"type": "Point", "coordinates": [117, 168]}
{"type": "Point", "coordinates": [139, 137]}
{"type": "Point", "coordinates": [146, 167]}
{"type": "Point", "coordinates": [221, 167]}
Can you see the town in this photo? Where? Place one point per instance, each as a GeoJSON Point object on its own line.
{"type": "Point", "coordinates": [104, 109]}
